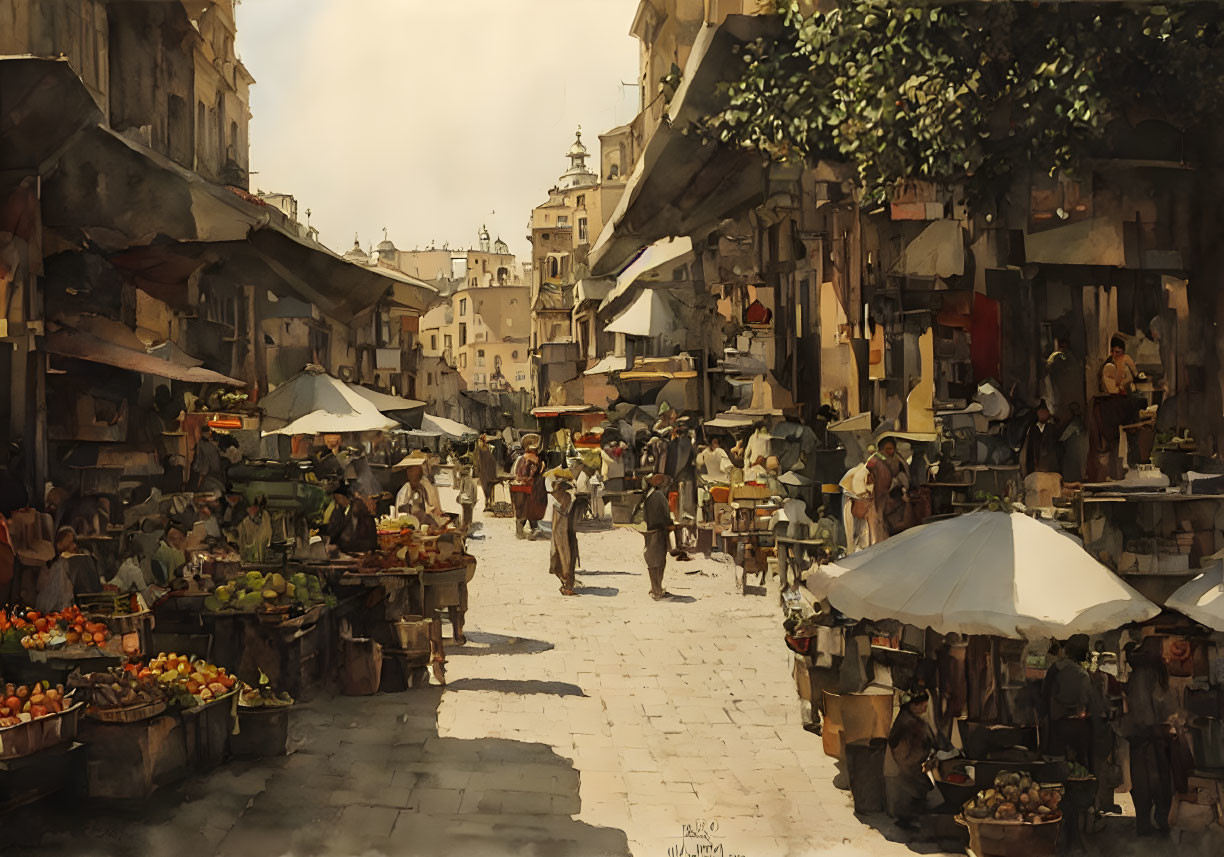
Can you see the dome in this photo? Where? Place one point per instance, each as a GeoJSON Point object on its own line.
{"type": "Point", "coordinates": [385, 246]}
{"type": "Point", "coordinates": [578, 149]}
{"type": "Point", "coordinates": [356, 254]}
{"type": "Point", "coordinates": [501, 247]}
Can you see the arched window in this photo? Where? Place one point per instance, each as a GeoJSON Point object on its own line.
{"type": "Point", "coordinates": [553, 268]}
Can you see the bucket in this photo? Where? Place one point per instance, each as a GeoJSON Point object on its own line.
{"type": "Point", "coordinates": [412, 633]}
{"type": "Point", "coordinates": [865, 767]}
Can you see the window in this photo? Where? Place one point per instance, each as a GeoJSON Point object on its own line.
{"type": "Point", "coordinates": [582, 229]}
{"type": "Point", "coordinates": [463, 303]}
{"type": "Point", "coordinates": [448, 341]}
{"type": "Point", "coordinates": [514, 355]}
{"type": "Point", "coordinates": [480, 358]}
{"type": "Point", "coordinates": [521, 376]}
{"type": "Point", "coordinates": [563, 220]}
{"type": "Point", "coordinates": [462, 334]}
{"type": "Point", "coordinates": [581, 200]}
{"type": "Point", "coordinates": [545, 236]}
{"type": "Point", "coordinates": [433, 342]}
{"type": "Point", "coordinates": [463, 360]}
{"type": "Point", "coordinates": [429, 378]}
{"type": "Point", "coordinates": [554, 269]}
{"type": "Point", "coordinates": [477, 378]}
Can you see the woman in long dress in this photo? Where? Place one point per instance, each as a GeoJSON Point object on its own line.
{"type": "Point", "coordinates": [530, 496]}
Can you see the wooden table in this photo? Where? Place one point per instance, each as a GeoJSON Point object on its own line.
{"type": "Point", "coordinates": [787, 550]}
{"type": "Point", "coordinates": [734, 544]}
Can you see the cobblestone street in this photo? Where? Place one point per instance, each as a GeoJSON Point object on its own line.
{"type": "Point", "coordinates": [600, 724]}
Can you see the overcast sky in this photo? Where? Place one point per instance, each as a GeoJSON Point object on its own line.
{"type": "Point", "coordinates": [426, 116]}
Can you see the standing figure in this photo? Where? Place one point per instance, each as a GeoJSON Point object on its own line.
{"type": "Point", "coordinates": [486, 469]}
{"type": "Point", "coordinates": [530, 498]}
{"type": "Point", "coordinates": [911, 741]}
{"type": "Point", "coordinates": [658, 520]}
{"type": "Point", "coordinates": [1040, 452]}
{"type": "Point", "coordinates": [255, 533]}
{"type": "Point", "coordinates": [564, 558]}
{"type": "Point", "coordinates": [890, 484]}
{"type": "Point", "coordinates": [207, 467]}
{"type": "Point", "coordinates": [467, 494]}
{"type": "Point", "coordinates": [1146, 726]}
{"type": "Point", "coordinates": [1066, 692]}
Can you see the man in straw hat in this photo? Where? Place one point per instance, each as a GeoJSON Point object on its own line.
{"type": "Point", "coordinates": [418, 495]}
{"type": "Point", "coordinates": [564, 558]}
{"type": "Point", "coordinates": [528, 492]}
{"type": "Point", "coordinates": [658, 520]}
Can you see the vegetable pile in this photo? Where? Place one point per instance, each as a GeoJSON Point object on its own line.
{"type": "Point", "coordinates": [115, 689]}
{"type": "Point", "coordinates": [253, 591]}
{"type": "Point", "coordinates": [21, 704]}
{"type": "Point", "coordinates": [1015, 797]}
{"type": "Point", "coordinates": [188, 682]}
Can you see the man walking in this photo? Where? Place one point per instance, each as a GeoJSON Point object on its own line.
{"type": "Point", "coordinates": [564, 558]}
{"type": "Point", "coordinates": [658, 520]}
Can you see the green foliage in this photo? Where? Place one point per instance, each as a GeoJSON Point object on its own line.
{"type": "Point", "coordinates": [967, 92]}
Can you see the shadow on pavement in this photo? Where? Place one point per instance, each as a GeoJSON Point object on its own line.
{"type": "Point", "coordinates": [601, 591]}
{"type": "Point", "coordinates": [523, 686]}
{"type": "Point", "coordinates": [609, 573]}
{"type": "Point", "coordinates": [680, 599]}
{"type": "Point", "coordinates": [371, 777]}
{"type": "Point", "coordinates": [484, 643]}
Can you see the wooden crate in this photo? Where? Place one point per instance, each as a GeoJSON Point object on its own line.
{"type": "Point", "coordinates": [132, 760]}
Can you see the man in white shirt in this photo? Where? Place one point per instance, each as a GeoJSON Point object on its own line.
{"type": "Point", "coordinates": [713, 463]}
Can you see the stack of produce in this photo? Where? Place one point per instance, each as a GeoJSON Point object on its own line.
{"type": "Point", "coordinates": [21, 704]}
{"type": "Point", "coordinates": [188, 682]}
{"type": "Point", "coordinates": [1015, 797]}
{"type": "Point", "coordinates": [252, 591]}
{"type": "Point", "coordinates": [40, 631]}
{"type": "Point", "coordinates": [263, 696]}
{"type": "Point", "coordinates": [120, 688]}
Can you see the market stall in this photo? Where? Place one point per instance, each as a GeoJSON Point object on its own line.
{"type": "Point", "coordinates": [966, 609]}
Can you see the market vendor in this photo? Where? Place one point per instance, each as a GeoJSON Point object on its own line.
{"type": "Point", "coordinates": [1040, 451]}
{"type": "Point", "coordinates": [132, 576]}
{"type": "Point", "coordinates": [169, 558]}
{"type": "Point", "coordinates": [1066, 694]}
{"type": "Point", "coordinates": [255, 533]}
{"type": "Point", "coordinates": [465, 484]}
{"type": "Point", "coordinates": [911, 743]}
{"type": "Point", "coordinates": [351, 529]}
{"type": "Point", "coordinates": [56, 584]}
{"type": "Point", "coordinates": [1146, 727]}
{"type": "Point", "coordinates": [563, 560]}
{"type": "Point", "coordinates": [528, 491]}
{"type": "Point", "coordinates": [891, 484]}
{"type": "Point", "coordinates": [713, 463]}
{"type": "Point", "coordinates": [418, 495]}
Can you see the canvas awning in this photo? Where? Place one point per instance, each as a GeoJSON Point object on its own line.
{"type": "Point", "coordinates": [1202, 599]}
{"type": "Point", "coordinates": [385, 402]}
{"type": "Point", "coordinates": [313, 402]}
{"type": "Point", "coordinates": [681, 183]}
{"type": "Point", "coordinates": [610, 363]}
{"type": "Point", "coordinates": [68, 342]}
{"type": "Point", "coordinates": [443, 426]}
{"type": "Point", "coordinates": [990, 573]}
{"type": "Point", "coordinates": [654, 266]}
{"type": "Point", "coordinates": [42, 103]}
{"type": "Point", "coordinates": [564, 410]}
{"type": "Point", "coordinates": [649, 315]}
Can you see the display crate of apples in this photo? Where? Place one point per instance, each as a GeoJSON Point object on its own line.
{"type": "Point", "coordinates": [69, 630]}
{"type": "Point", "coordinates": [35, 717]}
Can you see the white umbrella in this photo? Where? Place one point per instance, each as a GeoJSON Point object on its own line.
{"type": "Point", "coordinates": [993, 573]}
{"type": "Point", "coordinates": [441, 425]}
{"type": "Point", "coordinates": [313, 402]}
{"type": "Point", "coordinates": [1202, 599]}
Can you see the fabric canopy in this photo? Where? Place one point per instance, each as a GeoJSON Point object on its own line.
{"type": "Point", "coordinates": [67, 342]}
{"type": "Point", "coordinates": [648, 315]}
{"type": "Point", "coordinates": [313, 402]}
{"type": "Point", "coordinates": [1202, 599]}
{"type": "Point", "coordinates": [384, 401]}
{"type": "Point", "coordinates": [992, 573]}
{"type": "Point", "coordinates": [441, 425]}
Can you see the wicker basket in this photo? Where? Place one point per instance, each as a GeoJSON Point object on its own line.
{"type": "Point", "coordinates": [990, 838]}
{"type": "Point", "coordinates": [130, 714]}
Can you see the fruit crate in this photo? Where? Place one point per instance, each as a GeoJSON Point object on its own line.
{"type": "Point", "coordinates": [207, 730]}
{"type": "Point", "coordinates": [25, 739]}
